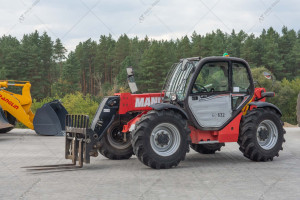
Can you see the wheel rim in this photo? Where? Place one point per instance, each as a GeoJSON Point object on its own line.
{"type": "Point", "coordinates": [267, 134]}
{"type": "Point", "coordinates": [165, 139]}
{"type": "Point", "coordinates": [116, 138]}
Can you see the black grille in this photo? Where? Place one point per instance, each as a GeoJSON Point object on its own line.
{"type": "Point", "coordinates": [77, 121]}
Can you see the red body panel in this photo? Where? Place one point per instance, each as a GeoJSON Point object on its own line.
{"type": "Point", "coordinates": [126, 127]}
{"type": "Point", "coordinates": [229, 133]}
{"type": "Point", "coordinates": [141, 102]}
{"type": "Point", "coordinates": [257, 94]}
{"type": "Point", "coordinates": [137, 102]}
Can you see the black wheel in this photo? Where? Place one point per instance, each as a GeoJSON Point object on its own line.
{"type": "Point", "coordinates": [207, 148]}
{"type": "Point", "coordinates": [261, 134]}
{"type": "Point", "coordinates": [161, 139]}
{"type": "Point", "coordinates": [113, 145]}
{"type": "Point", "coordinates": [11, 119]}
{"type": "Point", "coordinates": [5, 130]}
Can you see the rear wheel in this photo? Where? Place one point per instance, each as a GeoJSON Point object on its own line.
{"type": "Point", "coordinates": [11, 119]}
{"type": "Point", "coordinates": [161, 139]}
{"type": "Point", "coordinates": [207, 148]}
{"type": "Point", "coordinates": [261, 134]}
{"type": "Point", "coordinates": [113, 145]}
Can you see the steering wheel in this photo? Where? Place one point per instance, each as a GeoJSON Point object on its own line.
{"type": "Point", "coordinates": [199, 88]}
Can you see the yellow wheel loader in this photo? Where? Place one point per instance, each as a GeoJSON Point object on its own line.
{"type": "Point", "coordinates": [48, 120]}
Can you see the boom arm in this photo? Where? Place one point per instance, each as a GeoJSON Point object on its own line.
{"type": "Point", "coordinates": [16, 104]}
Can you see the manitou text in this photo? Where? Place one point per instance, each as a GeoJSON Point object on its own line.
{"type": "Point", "coordinates": [144, 102]}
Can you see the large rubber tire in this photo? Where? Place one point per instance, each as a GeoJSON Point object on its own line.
{"type": "Point", "coordinates": [5, 130]}
{"type": "Point", "coordinates": [263, 147]}
{"type": "Point", "coordinates": [207, 148]}
{"type": "Point", "coordinates": [146, 144]}
{"type": "Point", "coordinates": [112, 146]}
{"type": "Point", "coordinates": [12, 120]}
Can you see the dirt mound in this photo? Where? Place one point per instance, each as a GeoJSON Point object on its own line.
{"type": "Point", "coordinates": [289, 125]}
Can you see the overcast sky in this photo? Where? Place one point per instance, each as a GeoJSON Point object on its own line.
{"type": "Point", "coordinates": [78, 20]}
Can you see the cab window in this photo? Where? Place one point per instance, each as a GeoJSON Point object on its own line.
{"type": "Point", "coordinates": [240, 85]}
{"type": "Point", "coordinates": [240, 78]}
{"type": "Point", "coordinates": [213, 77]}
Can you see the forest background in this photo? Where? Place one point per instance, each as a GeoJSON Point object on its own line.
{"type": "Point", "coordinates": [81, 78]}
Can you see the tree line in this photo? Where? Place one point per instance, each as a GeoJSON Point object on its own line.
{"type": "Point", "coordinates": [97, 67]}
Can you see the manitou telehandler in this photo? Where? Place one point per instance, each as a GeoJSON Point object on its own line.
{"type": "Point", "coordinates": [48, 120]}
{"type": "Point", "coordinates": [205, 103]}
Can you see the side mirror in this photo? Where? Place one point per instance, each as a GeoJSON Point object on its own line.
{"type": "Point", "coordinates": [131, 81]}
{"type": "Point", "coordinates": [184, 63]}
{"type": "Point", "coordinates": [268, 94]}
{"type": "Point", "coordinates": [267, 75]}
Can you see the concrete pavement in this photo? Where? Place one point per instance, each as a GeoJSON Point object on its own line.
{"type": "Point", "coordinates": [224, 175]}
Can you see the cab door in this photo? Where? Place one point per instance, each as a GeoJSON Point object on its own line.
{"type": "Point", "coordinates": [210, 100]}
{"type": "Point", "coordinates": [241, 85]}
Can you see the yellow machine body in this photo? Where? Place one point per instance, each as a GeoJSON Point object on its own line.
{"type": "Point", "coordinates": [18, 105]}
{"type": "Point", "coordinates": [48, 120]}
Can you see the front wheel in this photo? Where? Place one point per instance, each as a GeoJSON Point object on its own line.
{"type": "Point", "coordinates": [161, 139]}
{"type": "Point", "coordinates": [261, 134]}
{"type": "Point", "coordinates": [113, 144]}
{"type": "Point", "coordinates": [11, 119]}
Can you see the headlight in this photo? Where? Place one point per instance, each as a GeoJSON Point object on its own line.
{"type": "Point", "coordinates": [173, 97]}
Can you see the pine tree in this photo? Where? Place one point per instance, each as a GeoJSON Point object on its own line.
{"type": "Point", "coordinates": [285, 47]}
{"type": "Point", "coordinates": [153, 69]}
{"type": "Point", "coordinates": [9, 57]}
{"type": "Point", "coordinates": [121, 52]}
{"type": "Point", "coordinates": [196, 44]}
{"type": "Point", "coordinates": [249, 50]}
{"type": "Point", "coordinates": [234, 43]}
{"type": "Point", "coordinates": [104, 58]}
{"type": "Point", "coordinates": [59, 55]}
{"type": "Point", "coordinates": [31, 62]}
{"type": "Point", "coordinates": [183, 48]}
{"type": "Point", "coordinates": [207, 44]}
{"type": "Point", "coordinates": [69, 82]}
{"type": "Point", "coordinates": [46, 52]}
{"type": "Point", "coordinates": [86, 53]}
{"type": "Point", "coordinates": [271, 57]}
{"type": "Point", "coordinates": [294, 58]}
{"type": "Point", "coordinates": [219, 43]}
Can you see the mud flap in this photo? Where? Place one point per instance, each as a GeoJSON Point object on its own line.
{"type": "Point", "coordinates": [50, 119]}
{"type": "Point", "coordinates": [5, 126]}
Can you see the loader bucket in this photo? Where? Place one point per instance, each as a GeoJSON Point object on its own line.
{"type": "Point", "coordinates": [50, 119]}
{"type": "Point", "coordinates": [5, 126]}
